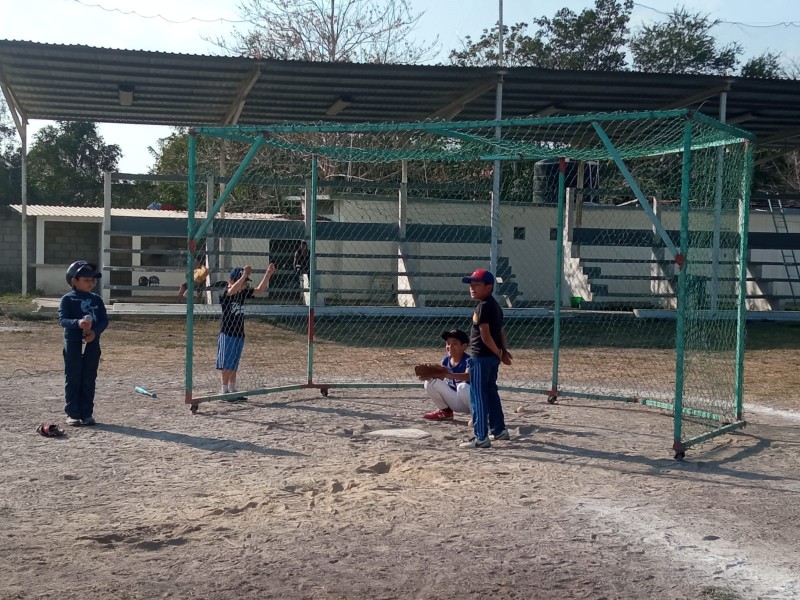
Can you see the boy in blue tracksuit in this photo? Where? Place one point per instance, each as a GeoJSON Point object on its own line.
{"type": "Point", "coordinates": [487, 345]}
{"type": "Point", "coordinates": [83, 316]}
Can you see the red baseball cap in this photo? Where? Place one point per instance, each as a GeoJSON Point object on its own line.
{"type": "Point", "coordinates": [480, 275]}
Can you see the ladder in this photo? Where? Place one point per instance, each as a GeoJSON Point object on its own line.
{"type": "Point", "coordinates": [790, 263]}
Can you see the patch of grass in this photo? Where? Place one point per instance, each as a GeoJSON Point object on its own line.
{"type": "Point", "coordinates": [716, 593]}
{"type": "Point", "coordinates": [771, 336]}
{"type": "Point", "coordinates": [31, 316]}
{"type": "Point", "coordinates": [15, 300]}
{"type": "Point", "coordinates": [17, 308]}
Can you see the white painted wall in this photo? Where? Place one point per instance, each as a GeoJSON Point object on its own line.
{"type": "Point", "coordinates": [532, 259]}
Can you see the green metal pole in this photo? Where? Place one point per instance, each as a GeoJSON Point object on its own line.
{"type": "Point", "coordinates": [232, 183]}
{"type": "Point", "coordinates": [680, 328]}
{"type": "Point", "coordinates": [562, 192]}
{"type": "Point", "coordinates": [190, 203]}
{"type": "Point", "coordinates": [482, 125]}
{"type": "Point", "coordinates": [623, 169]}
{"type": "Point", "coordinates": [312, 270]}
{"type": "Point", "coordinates": [741, 316]}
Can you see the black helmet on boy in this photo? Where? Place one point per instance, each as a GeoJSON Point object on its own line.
{"type": "Point", "coordinates": [81, 268]}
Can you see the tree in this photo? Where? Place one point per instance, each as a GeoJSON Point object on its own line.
{"type": "Point", "coordinates": [792, 68]}
{"type": "Point", "coordinates": [8, 135]}
{"type": "Point", "coordinates": [519, 49]}
{"type": "Point", "coordinates": [171, 158]}
{"type": "Point", "coordinates": [10, 157]}
{"type": "Point", "coordinates": [329, 31]}
{"type": "Point", "coordinates": [683, 44]}
{"type": "Point", "coordinates": [765, 66]}
{"type": "Point", "coordinates": [591, 40]}
{"type": "Point", "coordinates": [66, 164]}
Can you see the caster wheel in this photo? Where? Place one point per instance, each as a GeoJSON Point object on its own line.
{"type": "Point", "coordinates": [193, 408]}
{"type": "Point", "coordinates": [552, 399]}
{"type": "Point", "coordinates": [680, 455]}
{"type": "Point", "coordinates": [324, 392]}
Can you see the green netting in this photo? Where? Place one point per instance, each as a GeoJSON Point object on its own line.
{"type": "Point", "coordinates": [583, 236]}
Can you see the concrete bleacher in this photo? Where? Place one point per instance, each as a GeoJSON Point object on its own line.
{"type": "Point", "coordinates": [437, 282]}
{"type": "Point", "coordinates": [636, 281]}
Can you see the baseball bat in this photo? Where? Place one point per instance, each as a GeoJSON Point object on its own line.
{"type": "Point", "coordinates": [89, 318]}
{"type": "Point", "coordinates": [144, 392]}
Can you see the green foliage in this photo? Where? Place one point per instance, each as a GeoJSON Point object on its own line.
{"type": "Point", "coordinates": [171, 158]}
{"type": "Point", "coordinates": [591, 40]}
{"type": "Point", "coordinates": [717, 593]}
{"type": "Point", "coordinates": [10, 158]}
{"type": "Point", "coordinates": [16, 308]}
{"type": "Point", "coordinates": [8, 137]}
{"type": "Point", "coordinates": [519, 49]}
{"type": "Point", "coordinates": [10, 177]}
{"type": "Point", "coordinates": [684, 44]}
{"type": "Point", "coordinates": [66, 164]}
{"type": "Point", "coordinates": [764, 66]}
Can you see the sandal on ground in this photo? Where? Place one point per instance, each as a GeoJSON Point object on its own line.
{"type": "Point", "coordinates": [49, 430]}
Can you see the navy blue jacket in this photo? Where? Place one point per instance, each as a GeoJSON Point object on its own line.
{"type": "Point", "coordinates": [74, 306]}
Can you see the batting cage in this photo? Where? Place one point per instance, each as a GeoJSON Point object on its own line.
{"type": "Point", "coordinates": [618, 242]}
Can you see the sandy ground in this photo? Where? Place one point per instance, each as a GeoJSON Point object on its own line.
{"type": "Point", "coordinates": [288, 496]}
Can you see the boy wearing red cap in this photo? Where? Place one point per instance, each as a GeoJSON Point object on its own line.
{"type": "Point", "coordinates": [487, 349]}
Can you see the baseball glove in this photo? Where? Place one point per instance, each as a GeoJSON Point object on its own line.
{"type": "Point", "coordinates": [430, 371]}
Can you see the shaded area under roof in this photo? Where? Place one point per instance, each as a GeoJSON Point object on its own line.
{"type": "Point", "coordinates": [82, 83]}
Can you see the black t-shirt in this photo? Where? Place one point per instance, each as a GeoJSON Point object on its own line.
{"type": "Point", "coordinates": [487, 311]}
{"type": "Point", "coordinates": [232, 321]}
{"type": "Point", "coordinates": [301, 261]}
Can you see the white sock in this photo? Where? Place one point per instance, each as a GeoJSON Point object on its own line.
{"type": "Point", "coordinates": [232, 387]}
{"type": "Point", "coordinates": [224, 388]}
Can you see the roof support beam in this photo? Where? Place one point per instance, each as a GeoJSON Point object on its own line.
{"type": "Point", "coordinates": [778, 137]}
{"type": "Point", "coordinates": [20, 119]}
{"type": "Point", "coordinates": [698, 96]}
{"type": "Point", "coordinates": [772, 156]}
{"type": "Point", "coordinates": [743, 118]}
{"type": "Point", "coordinates": [237, 106]}
{"type": "Point", "coordinates": [454, 107]}
{"type": "Point", "coordinates": [548, 111]}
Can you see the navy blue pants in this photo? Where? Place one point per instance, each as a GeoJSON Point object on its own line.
{"type": "Point", "coordinates": [487, 412]}
{"type": "Point", "coordinates": [80, 375]}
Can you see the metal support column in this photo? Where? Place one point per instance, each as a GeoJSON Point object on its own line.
{"type": "Point", "coordinates": [715, 249]}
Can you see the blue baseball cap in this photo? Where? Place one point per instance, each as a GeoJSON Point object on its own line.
{"type": "Point", "coordinates": [458, 334]}
{"type": "Point", "coordinates": [479, 275]}
{"type": "Point", "coordinates": [81, 268]}
{"type": "Point", "coordinates": [236, 274]}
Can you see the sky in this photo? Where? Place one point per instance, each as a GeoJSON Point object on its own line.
{"type": "Point", "coordinates": [768, 25]}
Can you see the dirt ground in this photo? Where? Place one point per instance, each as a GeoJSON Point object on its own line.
{"type": "Point", "coordinates": [289, 496]}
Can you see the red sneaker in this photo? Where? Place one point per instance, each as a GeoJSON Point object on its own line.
{"type": "Point", "coordinates": [440, 415]}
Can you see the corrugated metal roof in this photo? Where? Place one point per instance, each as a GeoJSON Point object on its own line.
{"type": "Point", "coordinates": [66, 212]}
{"type": "Point", "coordinates": [51, 81]}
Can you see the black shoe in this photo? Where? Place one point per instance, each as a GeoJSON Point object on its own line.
{"type": "Point", "coordinates": [88, 421]}
{"type": "Point", "coordinates": [503, 435]}
{"type": "Point", "coordinates": [476, 443]}
{"type": "Point", "coordinates": [236, 399]}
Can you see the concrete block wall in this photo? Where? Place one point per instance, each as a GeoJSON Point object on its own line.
{"type": "Point", "coordinates": [67, 242]}
{"type": "Point", "coordinates": [11, 251]}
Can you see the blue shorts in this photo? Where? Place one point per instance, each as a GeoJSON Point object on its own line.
{"type": "Point", "coordinates": [229, 352]}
